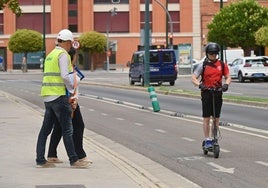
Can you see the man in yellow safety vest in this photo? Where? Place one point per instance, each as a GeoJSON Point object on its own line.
{"type": "Point", "coordinates": [56, 80]}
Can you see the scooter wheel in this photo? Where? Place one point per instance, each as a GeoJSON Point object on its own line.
{"type": "Point", "coordinates": [204, 150]}
{"type": "Point", "coordinates": [216, 151]}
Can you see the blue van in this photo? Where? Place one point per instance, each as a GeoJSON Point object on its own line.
{"type": "Point", "coordinates": [163, 67]}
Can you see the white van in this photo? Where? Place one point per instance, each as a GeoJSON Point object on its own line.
{"type": "Point", "coordinates": [230, 55]}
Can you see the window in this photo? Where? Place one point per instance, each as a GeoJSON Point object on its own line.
{"type": "Point", "coordinates": [72, 16]}
{"type": "Point", "coordinates": [32, 21]}
{"type": "Point", "coordinates": [109, 1]}
{"type": "Point", "coordinates": [143, 1]}
{"type": "Point", "coordinates": [114, 24]}
{"type": "Point", "coordinates": [72, 13]}
{"type": "Point", "coordinates": [140, 58]}
{"type": "Point", "coordinates": [175, 16]}
{"type": "Point", "coordinates": [33, 2]}
{"type": "Point", "coordinates": [167, 57]}
{"type": "Point", "coordinates": [1, 24]}
{"type": "Point", "coordinates": [154, 57]}
{"type": "Point", "coordinates": [72, 2]}
{"type": "Point", "coordinates": [73, 28]}
{"type": "Point", "coordinates": [142, 20]}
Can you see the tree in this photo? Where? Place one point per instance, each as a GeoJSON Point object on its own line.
{"type": "Point", "coordinates": [235, 25]}
{"type": "Point", "coordinates": [92, 42]}
{"type": "Point", "coordinates": [261, 36]}
{"type": "Point", "coordinates": [24, 41]}
{"type": "Point", "coordinates": [12, 5]}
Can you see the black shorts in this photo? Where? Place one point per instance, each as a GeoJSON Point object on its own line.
{"type": "Point", "coordinates": [207, 103]}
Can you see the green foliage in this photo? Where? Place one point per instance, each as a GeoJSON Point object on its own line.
{"type": "Point", "coordinates": [12, 5]}
{"type": "Point", "coordinates": [261, 36]}
{"type": "Point", "coordinates": [93, 41]}
{"type": "Point", "coordinates": [235, 25]}
{"type": "Point", "coordinates": [25, 40]}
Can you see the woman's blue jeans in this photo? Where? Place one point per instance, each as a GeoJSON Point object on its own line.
{"type": "Point", "coordinates": [56, 110]}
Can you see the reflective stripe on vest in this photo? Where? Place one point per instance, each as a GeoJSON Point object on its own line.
{"type": "Point", "coordinates": [53, 83]}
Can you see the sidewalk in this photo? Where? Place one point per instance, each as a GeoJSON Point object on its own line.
{"type": "Point", "coordinates": [20, 124]}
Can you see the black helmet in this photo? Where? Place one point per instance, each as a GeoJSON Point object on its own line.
{"type": "Point", "coordinates": [212, 48]}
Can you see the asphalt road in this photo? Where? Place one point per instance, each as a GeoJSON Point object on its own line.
{"type": "Point", "coordinates": [256, 89]}
{"type": "Point", "coordinates": [171, 141]}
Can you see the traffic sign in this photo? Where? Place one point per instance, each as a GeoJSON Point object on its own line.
{"type": "Point", "coordinates": [76, 44]}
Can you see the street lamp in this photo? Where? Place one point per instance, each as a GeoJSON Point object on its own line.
{"type": "Point", "coordinates": [221, 6]}
{"type": "Point", "coordinates": [108, 52]}
{"type": "Point", "coordinates": [170, 23]}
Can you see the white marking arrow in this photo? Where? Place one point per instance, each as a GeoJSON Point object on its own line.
{"type": "Point", "coordinates": [261, 163]}
{"type": "Point", "coordinates": [221, 168]}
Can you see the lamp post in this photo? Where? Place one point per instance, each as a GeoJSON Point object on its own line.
{"type": "Point", "coordinates": [170, 23]}
{"type": "Point", "coordinates": [108, 52]}
{"type": "Point", "coordinates": [221, 6]}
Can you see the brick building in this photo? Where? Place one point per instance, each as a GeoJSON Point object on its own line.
{"type": "Point", "coordinates": [189, 18]}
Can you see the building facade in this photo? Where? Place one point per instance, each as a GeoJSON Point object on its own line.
{"type": "Point", "coordinates": [122, 23]}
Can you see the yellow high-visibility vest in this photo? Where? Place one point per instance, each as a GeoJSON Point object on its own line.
{"type": "Point", "coordinates": [53, 83]}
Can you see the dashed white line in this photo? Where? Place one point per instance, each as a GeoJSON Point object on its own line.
{"type": "Point", "coordinates": [225, 150]}
{"type": "Point", "coordinates": [139, 124]}
{"type": "Point", "coordinates": [188, 139]}
{"type": "Point", "coordinates": [160, 130]}
{"type": "Point", "coordinates": [120, 119]}
{"type": "Point", "coordinates": [104, 114]}
{"type": "Point", "coordinates": [262, 163]}
{"type": "Point", "coordinates": [91, 110]}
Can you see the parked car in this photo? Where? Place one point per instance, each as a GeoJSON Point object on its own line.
{"type": "Point", "coordinates": [197, 63]}
{"type": "Point", "coordinates": [162, 66]}
{"type": "Point", "coordinates": [251, 68]}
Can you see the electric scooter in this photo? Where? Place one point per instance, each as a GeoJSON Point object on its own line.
{"type": "Point", "coordinates": [215, 145]}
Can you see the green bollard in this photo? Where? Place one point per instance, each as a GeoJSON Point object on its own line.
{"type": "Point", "coordinates": [153, 97]}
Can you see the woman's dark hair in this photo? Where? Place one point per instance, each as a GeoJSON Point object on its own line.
{"type": "Point", "coordinates": [72, 52]}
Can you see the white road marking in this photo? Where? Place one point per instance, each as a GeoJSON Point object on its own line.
{"type": "Point", "coordinates": [160, 130]}
{"type": "Point", "coordinates": [104, 114]}
{"type": "Point", "coordinates": [188, 139]}
{"type": "Point", "coordinates": [190, 158]}
{"type": "Point", "coordinates": [219, 168]}
{"type": "Point", "coordinates": [225, 150]}
{"type": "Point", "coordinates": [262, 163]}
{"type": "Point", "coordinates": [139, 124]}
{"type": "Point", "coordinates": [197, 121]}
{"type": "Point", "coordinates": [91, 110]}
{"type": "Point", "coordinates": [120, 119]}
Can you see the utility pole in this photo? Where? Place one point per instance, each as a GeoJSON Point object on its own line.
{"type": "Point", "coordinates": [146, 44]}
{"type": "Point", "coordinates": [108, 27]}
{"type": "Point", "coordinates": [221, 6]}
{"type": "Point", "coordinates": [167, 42]}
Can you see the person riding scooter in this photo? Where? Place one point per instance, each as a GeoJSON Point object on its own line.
{"type": "Point", "coordinates": [211, 72]}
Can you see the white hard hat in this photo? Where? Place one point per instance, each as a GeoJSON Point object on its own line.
{"type": "Point", "coordinates": [65, 35]}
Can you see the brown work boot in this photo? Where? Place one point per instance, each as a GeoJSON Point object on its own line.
{"type": "Point", "coordinates": [54, 160]}
{"type": "Point", "coordinates": [80, 164]}
{"type": "Point", "coordinates": [45, 165]}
